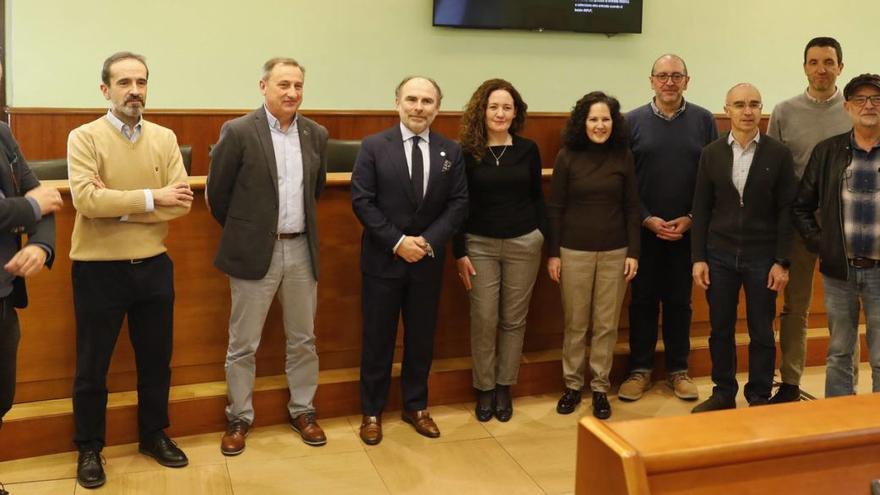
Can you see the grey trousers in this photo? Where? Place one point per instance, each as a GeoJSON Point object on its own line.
{"type": "Point", "coordinates": [290, 276]}
{"type": "Point", "coordinates": [502, 288]}
{"type": "Point", "coordinates": [593, 287]}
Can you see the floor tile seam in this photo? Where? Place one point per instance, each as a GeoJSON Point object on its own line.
{"type": "Point", "coordinates": [378, 472]}
{"type": "Point", "coordinates": [544, 428]}
{"type": "Point", "coordinates": [521, 467]}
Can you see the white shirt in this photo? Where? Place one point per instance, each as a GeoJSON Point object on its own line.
{"type": "Point", "coordinates": [742, 160]}
{"type": "Point", "coordinates": [288, 161]}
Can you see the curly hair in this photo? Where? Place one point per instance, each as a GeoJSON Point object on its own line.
{"type": "Point", "coordinates": [472, 134]}
{"type": "Point", "coordinates": [574, 136]}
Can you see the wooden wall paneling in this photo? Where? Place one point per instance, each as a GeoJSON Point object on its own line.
{"type": "Point", "coordinates": [42, 132]}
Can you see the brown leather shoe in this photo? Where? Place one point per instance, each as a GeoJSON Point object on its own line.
{"type": "Point", "coordinates": [422, 422]}
{"type": "Point", "coordinates": [232, 442]}
{"type": "Point", "coordinates": [308, 429]}
{"type": "Point", "coordinates": [371, 429]}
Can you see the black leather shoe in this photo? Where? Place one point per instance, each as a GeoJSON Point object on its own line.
{"type": "Point", "coordinates": [503, 403]}
{"type": "Point", "coordinates": [89, 469]}
{"type": "Point", "coordinates": [164, 450]}
{"type": "Point", "coordinates": [758, 401]}
{"type": "Point", "coordinates": [715, 403]}
{"type": "Point", "coordinates": [569, 400]}
{"type": "Point", "coordinates": [3, 490]}
{"type": "Point", "coordinates": [485, 405]}
{"type": "Point", "coordinates": [601, 407]}
{"type": "Point", "coordinates": [786, 393]}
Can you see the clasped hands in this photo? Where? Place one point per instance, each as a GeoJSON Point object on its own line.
{"type": "Point", "coordinates": [671, 230]}
{"type": "Point", "coordinates": [413, 248]}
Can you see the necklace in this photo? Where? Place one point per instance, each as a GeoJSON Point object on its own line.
{"type": "Point", "coordinates": [498, 157]}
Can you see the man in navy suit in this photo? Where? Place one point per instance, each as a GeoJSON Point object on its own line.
{"type": "Point", "coordinates": [410, 193]}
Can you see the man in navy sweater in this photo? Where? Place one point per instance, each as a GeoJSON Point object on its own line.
{"type": "Point", "coordinates": [667, 136]}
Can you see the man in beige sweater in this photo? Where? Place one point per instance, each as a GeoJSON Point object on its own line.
{"type": "Point", "coordinates": [127, 181]}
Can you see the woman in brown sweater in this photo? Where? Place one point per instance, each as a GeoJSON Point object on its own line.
{"type": "Point", "coordinates": [594, 241]}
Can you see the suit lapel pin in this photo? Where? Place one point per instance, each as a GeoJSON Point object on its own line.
{"type": "Point", "coordinates": [446, 163]}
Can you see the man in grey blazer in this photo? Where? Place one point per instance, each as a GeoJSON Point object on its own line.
{"type": "Point", "coordinates": [267, 172]}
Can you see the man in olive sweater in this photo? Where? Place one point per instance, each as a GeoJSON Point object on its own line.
{"type": "Point", "coordinates": [799, 123]}
{"type": "Point", "coordinates": [740, 238]}
{"type": "Point", "coordinates": [127, 181]}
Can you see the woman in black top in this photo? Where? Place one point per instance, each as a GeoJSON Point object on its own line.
{"type": "Point", "coordinates": [594, 241]}
{"type": "Point", "coordinates": [499, 251]}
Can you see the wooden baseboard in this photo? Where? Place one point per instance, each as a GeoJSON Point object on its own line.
{"type": "Point", "coordinates": [47, 427]}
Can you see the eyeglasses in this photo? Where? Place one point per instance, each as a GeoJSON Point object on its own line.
{"type": "Point", "coordinates": [742, 105]}
{"type": "Point", "coordinates": [860, 100]}
{"type": "Point", "coordinates": [676, 77]}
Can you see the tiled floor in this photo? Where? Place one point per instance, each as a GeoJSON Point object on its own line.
{"type": "Point", "coordinates": [532, 454]}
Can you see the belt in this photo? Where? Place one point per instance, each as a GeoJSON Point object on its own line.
{"type": "Point", "coordinates": [860, 262]}
{"type": "Point", "coordinates": [292, 235]}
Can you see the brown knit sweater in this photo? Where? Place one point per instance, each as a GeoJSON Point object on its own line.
{"type": "Point", "coordinates": [594, 204]}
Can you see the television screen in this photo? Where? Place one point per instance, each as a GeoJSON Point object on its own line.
{"type": "Point", "coordinates": [587, 16]}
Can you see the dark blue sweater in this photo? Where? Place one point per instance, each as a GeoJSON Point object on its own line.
{"type": "Point", "coordinates": [667, 154]}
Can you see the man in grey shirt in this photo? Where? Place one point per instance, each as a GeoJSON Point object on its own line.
{"type": "Point", "coordinates": [800, 122]}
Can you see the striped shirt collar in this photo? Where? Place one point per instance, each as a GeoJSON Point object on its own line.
{"type": "Point", "coordinates": [662, 115]}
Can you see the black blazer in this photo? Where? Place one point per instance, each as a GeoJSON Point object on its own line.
{"type": "Point", "coordinates": [384, 202]}
{"type": "Point", "coordinates": [760, 224]}
{"type": "Point", "coordinates": [16, 212]}
{"type": "Point", "coordinates": [242, 191]}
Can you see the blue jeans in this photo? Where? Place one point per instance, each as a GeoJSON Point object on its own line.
{"type": "Point", "coordinates": [842, 301]}
{"type": "Point", "coordinates": [727, 273]}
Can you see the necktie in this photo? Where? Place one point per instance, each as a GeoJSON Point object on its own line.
{"type": "Point", "coordinates": [417, 176]}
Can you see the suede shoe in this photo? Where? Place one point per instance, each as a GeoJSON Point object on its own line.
{"type": "Point", "coordinates": [714, 403]}
{"type": "Point", "coordinates": [569, 401]}
{"type": "Point", "coordinates": [371, 429]}
{"type": "Point", "coordinates": [164, 450]}
{"type": "Point", "coordinates": [307, 427]}
{"type": "Point", "coordinates": [682, 386]}
{"type": "Point", "coordinates": [503, 403]}
{"type": "Point", "coordinates": [601, 407]}
{"type": "Point", "coordinates": [422, 422]}
{"type": "Point", "coordinates": [485, 407]}
{"type": "Point", "coordinates": [232, 442]}
{"type": "Point", "coordinates": [786, 393]}
{"type": "Point", "coordinates": [635, 385]}
{"type": "Point", "coordinates": [90, 469]}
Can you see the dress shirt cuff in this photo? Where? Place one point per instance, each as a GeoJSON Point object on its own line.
{"type": "Point", "coordinates": [36, 206]}
{"type": "Point", "coordinates": [394, 250]}
{"type": "Point", "coordinates": [44, 247]}
{"type": "Point", "coordinates": [148, 199]}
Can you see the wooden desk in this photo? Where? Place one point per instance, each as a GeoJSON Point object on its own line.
{"type": "Point", "coordinates": [824, 447]}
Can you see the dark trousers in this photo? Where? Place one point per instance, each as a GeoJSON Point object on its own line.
{"type": "Point", "coordinates": [727, 273]}
{"type": "Point", "coordinates": [9, 337]}
{"type": "Point", "coordinates": [385, 300]}
{"type": "Point", "coordinates": [664, 277]}
{"type": "Point", "coordinates": [104, 292]}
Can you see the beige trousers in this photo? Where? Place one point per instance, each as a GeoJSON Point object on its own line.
{"type": "Point", "coordinates": [502, 288]}
{"type": "Point", "coordinates": [593, 287]}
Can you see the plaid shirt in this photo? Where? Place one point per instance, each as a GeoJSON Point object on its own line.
{"type": "Point", "coordinates": [860, 198]}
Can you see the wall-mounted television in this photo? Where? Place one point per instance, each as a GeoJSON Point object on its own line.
{"type": "Point", "coordinates": [586, 16]}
